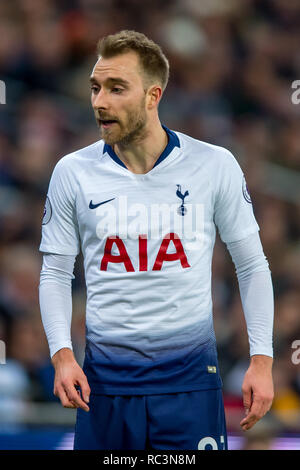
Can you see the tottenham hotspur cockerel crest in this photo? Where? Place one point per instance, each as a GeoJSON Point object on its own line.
{"type": "Point", "coordinates": [182, 210]}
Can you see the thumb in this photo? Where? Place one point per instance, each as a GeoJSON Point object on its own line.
{"type": "Point", "coordinates": [85, 388]}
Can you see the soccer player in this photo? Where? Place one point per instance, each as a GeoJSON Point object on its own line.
{"type": "Point", "coordinates": [143, 204]}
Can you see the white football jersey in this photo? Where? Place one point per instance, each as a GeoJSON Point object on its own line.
{"type": "Point", "coordinates": [147, 242]}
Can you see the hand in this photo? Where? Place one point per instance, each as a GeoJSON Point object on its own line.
{"type": "Point", "coordinates": [258, 391]}
{"type": "Point", "coordinates": [68, 373]}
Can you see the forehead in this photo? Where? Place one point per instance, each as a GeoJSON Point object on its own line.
{"type": "Point", "coordinates": [125, 66]}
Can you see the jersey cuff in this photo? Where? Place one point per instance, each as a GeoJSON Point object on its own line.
{"type": "Point", "coordinates": [235, 237]}
{"type": "Point", "coordinates": [58, 250]}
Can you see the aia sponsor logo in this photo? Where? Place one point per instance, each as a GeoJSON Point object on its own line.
{"type": "Point", "coordinates": [142, 244]}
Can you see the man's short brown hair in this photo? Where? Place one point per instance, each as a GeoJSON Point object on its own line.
{"type": "Point", "coordinates": [154, 64]}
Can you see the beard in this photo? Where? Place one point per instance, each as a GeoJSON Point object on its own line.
{"type": "Point", "coordinates": [126, 132]}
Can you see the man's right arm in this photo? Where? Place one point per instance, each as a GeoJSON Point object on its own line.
{"type": "Point", "coordinates": [55, 294]}
{"type": "Point", "coordinates": [69, 374]}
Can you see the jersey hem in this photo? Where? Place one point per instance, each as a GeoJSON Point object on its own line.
{"type": "Point", "coordinates": [102, 390]}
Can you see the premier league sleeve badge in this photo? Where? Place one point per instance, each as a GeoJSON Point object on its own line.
{"type": "Point", "coordinates": [245, 189]}
{"type": "Point", "coordinates": [47, 212]}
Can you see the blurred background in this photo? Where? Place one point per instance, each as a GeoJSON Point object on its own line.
{"type": "Point", "coordinates": [233, 63]}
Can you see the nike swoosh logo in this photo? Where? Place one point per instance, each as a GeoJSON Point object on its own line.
{"type": "Point", "coordinates": [94, 206]}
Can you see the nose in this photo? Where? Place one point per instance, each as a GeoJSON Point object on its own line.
{"type": "Point", "coordinates": [100, 100]}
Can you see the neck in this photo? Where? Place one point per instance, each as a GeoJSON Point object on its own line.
{"type": "Point", "coordinates": [140, 156]}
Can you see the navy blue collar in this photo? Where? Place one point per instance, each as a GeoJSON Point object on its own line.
{"type": "Point", "coordinates": [173, 142]}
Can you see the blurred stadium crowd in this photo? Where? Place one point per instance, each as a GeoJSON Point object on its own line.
{"type": "Point", "coordinates": [233, 63]}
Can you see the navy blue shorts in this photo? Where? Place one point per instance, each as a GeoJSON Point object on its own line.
{"type": "Point", "coordinates": [175, 421]}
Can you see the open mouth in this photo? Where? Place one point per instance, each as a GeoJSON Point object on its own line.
{"type": "Point", "coordinates": [106, 123]}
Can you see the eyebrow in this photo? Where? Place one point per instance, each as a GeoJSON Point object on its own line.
{"type": "Point", "coordinates": [118, 80]}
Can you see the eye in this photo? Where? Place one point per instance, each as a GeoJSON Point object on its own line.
{"type": "Point", "coordinates": [94, 88]}
{"type": "Point", "coordinates": [116, 89]}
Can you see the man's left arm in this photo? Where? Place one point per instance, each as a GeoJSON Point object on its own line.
{"type": "Point", "coordinates": [256, 291]}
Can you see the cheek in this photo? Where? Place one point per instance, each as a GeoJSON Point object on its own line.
{"type": "Point", "coordinates": [93, 101]}
{"type": "Point", "coordinates": [128, 110]}
{"type": "Point", "coordinates": [136, 108]}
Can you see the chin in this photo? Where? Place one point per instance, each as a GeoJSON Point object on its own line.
{"type": "Point", "coordinates": [109, 139]}
{"type": "Point", "coordinates": [115, 139]}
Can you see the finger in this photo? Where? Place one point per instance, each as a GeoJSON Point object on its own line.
{"type": "Point", "coordinates": [85, 389]}
{"type": "Point", "coordinates": [75, 397]}
{"type": "Point", "coordinates": [249, 423]}
{"type": "Point", "coordinates": [247, 399]}
{"type": "Point", "coordinates": [66, 403]}
{"type": "Point", "coordinates": [255, 414]}
{"type": "Point", "coordinates": [250, 420]}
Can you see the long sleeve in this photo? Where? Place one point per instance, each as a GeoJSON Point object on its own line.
{"type": "Point", "coordinates": [55, 297]}
{"type": "Point", "coordinates": [256, 291]}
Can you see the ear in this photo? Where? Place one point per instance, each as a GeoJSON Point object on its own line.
{"type": "Point", "coordinates": [153, 97]}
